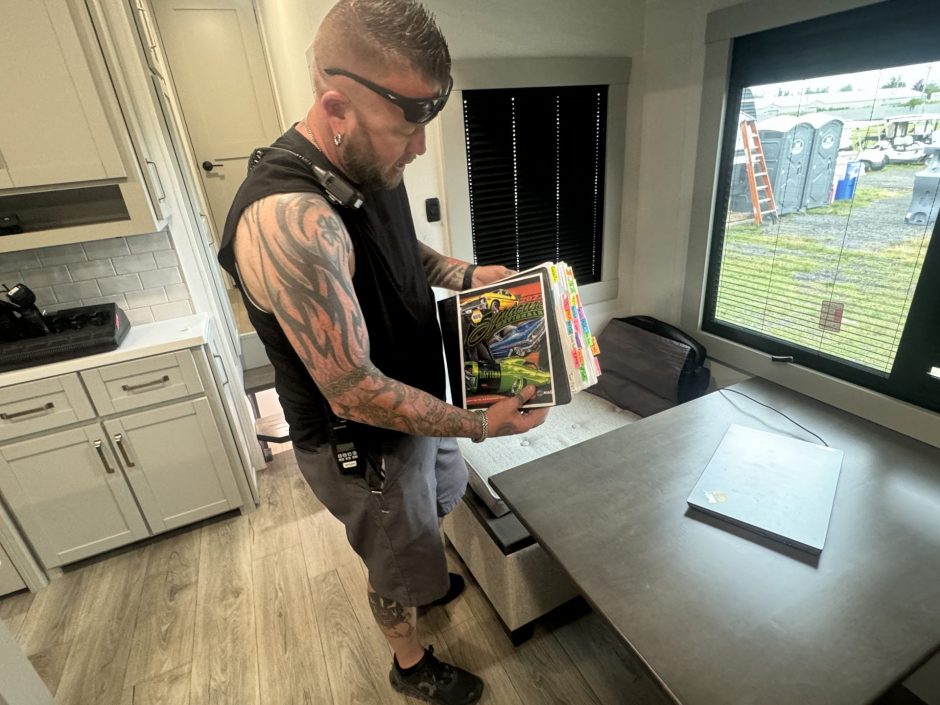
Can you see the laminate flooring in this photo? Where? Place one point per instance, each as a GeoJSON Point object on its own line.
{"type": "Point", "coordinates": [270, 608]}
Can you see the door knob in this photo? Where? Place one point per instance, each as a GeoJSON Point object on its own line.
{"type": "Point", "coordinates": [209, 166]}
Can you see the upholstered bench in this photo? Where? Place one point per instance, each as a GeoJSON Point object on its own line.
{"type": "Point", "coordinates": [521, 581]}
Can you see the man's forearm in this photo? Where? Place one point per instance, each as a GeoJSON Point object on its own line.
{"type": "Point", "coordinates": [368, 396]}
{"type": "Point", "coordinates": [443, 271]}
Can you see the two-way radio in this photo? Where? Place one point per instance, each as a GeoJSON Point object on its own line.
{"type": "Point", "coordinates": [350, 457]}
{"type": "Point", "coordinates": [336, 188]}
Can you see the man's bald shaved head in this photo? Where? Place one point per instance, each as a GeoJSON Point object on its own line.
{"type": "Point", "coordinates": [375, 36]}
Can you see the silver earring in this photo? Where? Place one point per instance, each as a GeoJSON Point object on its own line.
{"type": "Point", "coordinates": [337, 139]}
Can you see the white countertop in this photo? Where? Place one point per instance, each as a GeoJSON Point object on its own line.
{"type": "Point", "coordinates": [141, 341]}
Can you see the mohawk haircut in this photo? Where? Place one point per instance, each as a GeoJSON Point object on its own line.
{"type": "Point", "coordinates": [382, 34]}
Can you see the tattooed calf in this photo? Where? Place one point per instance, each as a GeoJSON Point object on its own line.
{"type": "Point", "coordinates": [392, 617]}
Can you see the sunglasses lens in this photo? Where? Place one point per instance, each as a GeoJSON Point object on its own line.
{"type": "Point", "coordinates": [418, 111]}
{"type": "Point", "coordinates": [422, 111]}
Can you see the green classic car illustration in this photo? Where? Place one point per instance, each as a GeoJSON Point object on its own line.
{"type": "Point", "coordinates": [508, 376]}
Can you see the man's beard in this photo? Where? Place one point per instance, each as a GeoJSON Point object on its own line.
{"type": "Point", "coordinates": [360, 165]}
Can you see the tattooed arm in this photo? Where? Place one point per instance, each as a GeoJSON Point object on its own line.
{"type": "Point", "coordinates": [442, 271]}
{"type": "Point", "coordinates": [448, 272]}
{"type": "Point", "coordinates": [303, 259]}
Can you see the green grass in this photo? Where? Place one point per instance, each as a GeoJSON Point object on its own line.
{"type": "Point", "coordinates": [864, 197]}
{"type": "Point", "coordinates": [917, 166]}
{"type": "Point", "coordinates": [792, 275]}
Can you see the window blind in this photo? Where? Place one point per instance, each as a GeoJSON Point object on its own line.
{"type": "Point", "coordinates": [535, 161]}
{"type": "Point", "coordinates": [892, 33]}
{"type": "Point", "coordinates": [840, 278]}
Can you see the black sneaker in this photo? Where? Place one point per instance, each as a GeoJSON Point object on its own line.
{"type": "Point", "coordinates": [436, 682]}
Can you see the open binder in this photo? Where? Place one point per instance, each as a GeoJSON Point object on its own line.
{"type": "Point", "coordinates": [529, 328]}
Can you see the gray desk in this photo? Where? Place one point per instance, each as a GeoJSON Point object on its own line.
{"type": "Point", "coordinates": [722, 616]}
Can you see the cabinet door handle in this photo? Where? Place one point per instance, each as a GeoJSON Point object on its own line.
{"type": "Point", "coordinates": [119, 440]}
{"type": "Point", "coordinates": [221, 367]}
{"type": "Point", "coordinates": [156, 175]}
{"type": "Point", "coordinates": [206, 230]}
{"type": "Point", "coordinates": [134, 387]}
{"type": "Point", "coordinates": [15, 415]}
{"type": "Point", "coordinates": [104, 461]}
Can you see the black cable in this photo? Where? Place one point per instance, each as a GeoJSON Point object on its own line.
{"type": "Point", "coordinates": [722, 392]}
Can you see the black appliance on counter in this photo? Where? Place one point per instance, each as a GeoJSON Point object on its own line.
{"type": "Point", "coordinates": [29, 337]}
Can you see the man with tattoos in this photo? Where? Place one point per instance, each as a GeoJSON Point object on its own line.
{"type": "Point", "coordinates": [340, 296]}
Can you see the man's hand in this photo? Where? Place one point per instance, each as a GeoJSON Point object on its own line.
{"type": "Point", "coordinates": [506, 417]}
{"type": "Point", "coordinates": [491, 273]}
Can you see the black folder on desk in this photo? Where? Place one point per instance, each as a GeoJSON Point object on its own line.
{"type": "Point", "coordinates": [780, 487]}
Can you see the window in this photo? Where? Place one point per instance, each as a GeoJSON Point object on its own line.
{"type": "Point", "coordinates": [824, 245]}
{"type": "Point", "coordinates": [535, 164]}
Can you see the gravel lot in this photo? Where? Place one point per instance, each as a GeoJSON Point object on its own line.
{"type": "Point", "coordinates": [870, 227]}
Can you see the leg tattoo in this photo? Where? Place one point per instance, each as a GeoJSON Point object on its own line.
{"type": "Point", "coordinates": [399, 625]}
{"type": "Point", "coordinates": [395, 620]}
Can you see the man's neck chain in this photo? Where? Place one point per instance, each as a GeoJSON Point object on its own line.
{"type": "Point", "coordinates": [306, 129]}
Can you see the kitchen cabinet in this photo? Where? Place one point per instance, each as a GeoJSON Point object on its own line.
{"type": "Point", "coordinates": [41, 405]}
{"type": "Point", "coordinates": [148, 35]}
{"type": "Point", "coordinates": [68, 494]}
{"type": "Point", "coordinates": [54, 128]}
{"type": "Point", "coordinates": [192, 482]}
{"type": "Point", "coordinates": [69, 170]}
{"type": "Point", "coordinates": [10, 580]}
{"type": "Point", "coordinates": [108, 454]}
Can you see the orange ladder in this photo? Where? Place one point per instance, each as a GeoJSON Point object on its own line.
{"type": "Point", "coordinates": [758, 180]}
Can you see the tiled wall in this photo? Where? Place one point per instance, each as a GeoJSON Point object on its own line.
{"type": "Point", "coordinates": [140, 274]}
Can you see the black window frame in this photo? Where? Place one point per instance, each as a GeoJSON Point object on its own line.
{"type": "Point", "coordinates": [546, 196]}
{"type": "Point", "coordinates": [895, 33]}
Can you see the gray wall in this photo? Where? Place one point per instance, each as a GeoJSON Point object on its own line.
{"type": "Point", "coordinates": [141, 274]}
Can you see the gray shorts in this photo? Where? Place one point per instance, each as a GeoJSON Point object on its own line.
{"type": "Point", "coordinates": [395, 531]}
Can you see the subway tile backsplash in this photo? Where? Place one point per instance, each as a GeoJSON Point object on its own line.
{"type": "Point", "coordinates": [160, 277]}
{"type": "Point", "coordinates": [154, 242]}
{"type": "Point", "coordinates": [104, 249]}
{"type": "Point", "coordinates": [140, 274]}
{"type": "Point", "coordinates": [134, 263]}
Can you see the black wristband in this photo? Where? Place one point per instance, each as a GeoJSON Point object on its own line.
{"type": "Point", "coordinates": [468, 276]}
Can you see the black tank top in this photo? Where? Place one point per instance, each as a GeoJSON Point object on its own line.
{"type": "Point", "coordinates": [390, 282]}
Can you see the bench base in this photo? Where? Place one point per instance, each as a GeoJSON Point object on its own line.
{"type": "Point", "coordinates": [522, 585]}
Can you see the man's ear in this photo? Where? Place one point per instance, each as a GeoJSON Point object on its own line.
{"type": "Point", "coordinates": [338, 110]}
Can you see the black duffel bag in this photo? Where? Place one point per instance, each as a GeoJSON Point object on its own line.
{"type": "Point", "coordinates": [649, 365]}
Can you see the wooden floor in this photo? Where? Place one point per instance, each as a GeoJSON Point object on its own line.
{"type": "Point", "coordinates": [270, 609]}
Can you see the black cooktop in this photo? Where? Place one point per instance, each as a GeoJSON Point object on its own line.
{"type": "Point", "coordinates": [72, 332]}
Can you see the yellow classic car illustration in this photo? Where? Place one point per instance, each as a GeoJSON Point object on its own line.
{"type": "Point", "coordinates": [492, 300]}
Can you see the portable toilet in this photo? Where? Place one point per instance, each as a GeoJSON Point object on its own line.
{"type": "Point", "coordinates": [786, 141]}
{"type": "Point", "coordinates": [822, 160]}
{"type": "Point", "coordinates": [740, 201]}
{"type": "Point", "coordinates": [740, 190]}
{"type": "Point", "coordinates": [925, 201]}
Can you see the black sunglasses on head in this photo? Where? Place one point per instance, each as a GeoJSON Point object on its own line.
{"type": "Point", "coordinates": [417, 110]}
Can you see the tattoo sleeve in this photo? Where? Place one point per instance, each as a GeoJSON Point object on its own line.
{"type": "Point", "coordinates": [442, 271]}
{"type": "Point", "coordinates": [305, 260]}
